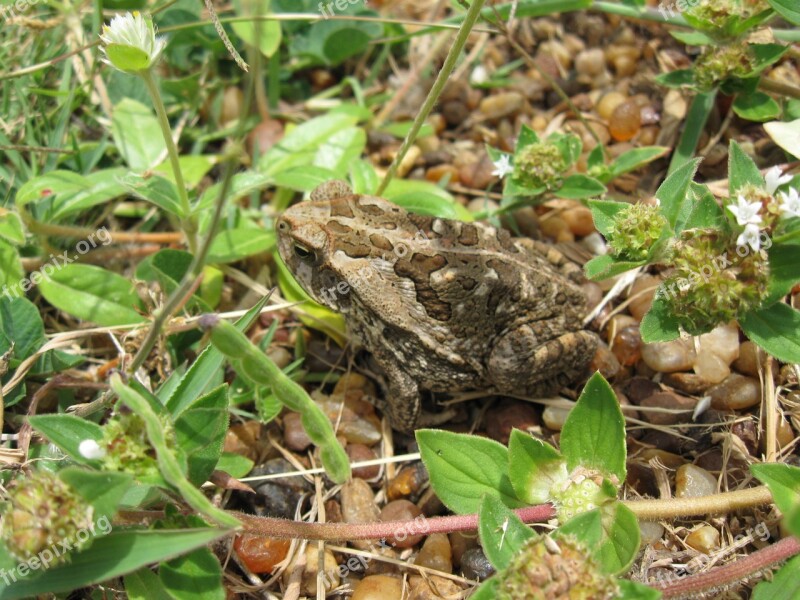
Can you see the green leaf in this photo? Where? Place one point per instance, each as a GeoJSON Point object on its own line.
{"type": "Point", "coordinates": [604, 214]}
{"type": "Point", "coordinates": [785, 585]}
{"type": "Point", "coordinates": [155, 189]}
{"type": "Point", "coordinates": [53, 183]}
{"type": "Point", "coordinates": [579, 186]}
{"type": "Point", "coordinates": [197, 575]}
{"type": "Point", "coordinates": [765, 54]}
{"type": "Point", "coordinates": [605, 266]}
{"type": "Point", "coordinates": [11, 228]}
{"type": "Point", "coordinates": [783, 482]}
{"type": "Point", "coordinates": [635, 158]}
{"type": "Point", "coordinates": [701, 211]}
{"type": "Point", "coordinates": [137, 134]}
{"type": "Point", "coordinates": [502, 532]}
{"type": "Point", "coordinates": [363, 177]}
{"type": "Point", "coordinates": [534, 467]}
{"type": "Point", "coordinates": [264, 35]}
{"type": "Point", "coordinates": [104, 491]}
{"type": "Point", "coordinates": [332, 42]}
{"type": "Point", "coordinates": [674, 191]}
{"type": "Point", "coordinates": [756, 106]}
{"type": "Point", "coordinates": [145, 585]}
{"type": "Point", "coordinates": [193, 168]}
{"type": "Point", "coordinates": [593, 435]}
{"type": "Point", "coordinates": [775, 329]}
{"type": "Point", "coordinates": [463, 468]}
{"type": "Point", "coordinates": [303, 179]}
{"type": "Point", "coordinates": [200, 433]}
{"type": "Point", "coordinates": [659, 324]}
{"type": "Point", "coordinates": [100, 187]}
{"type": "Point", "coordinates": [12, 276]}
{"type": "Point", "coordinates": [783, 272]}
{"type": "Point", "coordinates": [788, 9]}
{"type": "Point", "coordinates": [20, 324]}
{"type": "Point", "coordinates": [692, 38]}
{"type": "Point", "coordinates": [741, 170]}
{"type": "Point", "coordinates": [527, 136]}
{"type": "Point", "coordinates": [169, 267]}
{"type": "Point", "coordinates": [632, 590]}
{"type": "Point", "coordinates": [93, 294]}
{"type": "Point", "coordinates": [611, 532]}
{"type": "Point", "coordinates": [676, 79]}
{"type": "Point", "coordinates": [235, 465]}
{"type": "Point", "coordinates": [785, 135]}
{"type": "Point", "coordinates": [242, 184]}
{"type": "Point", "coordinates": [231, 245]}
{"type": "Point", "coordinates": [67, 432]}
{"type": "Point", "coordinates": [111, 556]}
{"type": "Point", "coordinates": [127, 58]}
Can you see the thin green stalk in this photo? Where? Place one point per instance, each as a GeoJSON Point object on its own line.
{"type": "Point", "coordinates": [188, 222]}
{"type": "Point", "coordinates": [693, 128]}
{"type": "Point", "coordinates": [441, 79]}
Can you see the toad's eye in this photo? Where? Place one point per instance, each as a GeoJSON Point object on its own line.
{"type": "Point", "coordinates": [283, 226]}
{"type": "Point", "coordinates": [303, 253]}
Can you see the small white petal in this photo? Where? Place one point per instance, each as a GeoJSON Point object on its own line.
{"type": "Point", "coordinates": [135, 31]}
{"type": "Point", "coordinates": [750, 237]}
{"type": "Point", "coordinates": [774, 180]}
{"type": "Point", "coordinates": [789, 203]}
{"type": "Point", "coordinates": [502, 166]}
{"type": "Point", "coordinates": [746, 213]}
{"type": "Point", "coordinates": [91, 449]}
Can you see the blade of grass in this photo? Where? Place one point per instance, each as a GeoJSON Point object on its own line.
{"type": "Point", "coordinates": [695, 124]}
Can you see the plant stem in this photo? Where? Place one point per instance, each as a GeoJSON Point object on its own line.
{"type": "Point", "coordinates": [116, 236]}
{"type": "Point", "coordinates": [693, 586]}
{"type": "Point", "coordinates": [188, 221]}
{"type": "Point", "coordinates": [441, 79]}
{"type": "Point", "coordinates": [659, 510]}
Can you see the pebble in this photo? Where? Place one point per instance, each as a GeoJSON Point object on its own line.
{"type": "Point", "coordinates": [475, 565]}
{"type": "Point", "coordinates": [669, 357]}
{"type": "Point", "coordinates": [407, 482]}
{"type": "Point", "coordinates": [579, 220]}
{"type": "Point", "coordinates": [260, 554]}
{"type": "Point", "coordinates": [628, 345]}
{"type": "Point", "coordinates": [651, 532]}
{"type": "Point", "coordinates": [477, 175]}
{"type": "Point", "coordinates": [330, 570]}
{"type": "Point", "coordinates": [244, 440]}
{"type": "Point", "coordinates": [668, 459]}
{"type": "Point", "coordinates": [640, 477]}
{"type": "Point", "coordinates": [669, 401]}
{"type": "Point", "coordinates": [625, 121]}
{"type": "Point", "coordinates": [751, 357]}
{"type": "Point", "coordinates": [608, 103]}
{"type": "Point", "coordinates": [361, 453]}
{"type": "Point", "coordinates": [722, 341]}
{"type": "Point", "coordinates": [436, 553]}
{"type": "Point", "coordinates": [355, 428]}
{"type": "Point", "coordinates": [692, 481]}
{"type": "Point", "coordinates": [554, 417]}
{"type": "Point", "coordinates": [736, 392]}
{"type": "Point", "coordinates": [510, 415]}
{"type": "Point", "coordinates": [378, 587]}
{"type": "Point", "coordinates": [278, 497]}
{"type": "Point", "coordinates": [433, 588]}
{"type": "Point", "coordinates": [704, 539]}
{"type": "Point", "coordinates": [641, 295]}
{"type": "Point", "coordinates": [295, 437]}
{"type": "Point", "coordinates": [689, 383]}
{"type": "Point", "coordinates": [358, 506]}
{"type": "Point", "coordinates": [590, 62]}
{"type": "Point", "coordinates": [442, 172]}
{"type": "Point", "coordinates": [746, 431]}
{"type": "Point", "coordinates": [455, 112]}
{"type": "Point", "coordinates": [460, 542]}
{"type": "Point", "coordinates": [605, 361]}
{"type": "Point", "coordinates": [639, 388]}
{"type": "Point", "coordinates": [785, 433]}
{"type": "Point", "coordinates": [280, 356]}
{"type": "Point", "coordinates": [402, 510]}
{"type": "Point", "coordinates": [501, 105]}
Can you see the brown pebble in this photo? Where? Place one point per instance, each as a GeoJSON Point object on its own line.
{"type": "Point", "coordinates": [689, 383]}
{"type": "Point", "coordinates": [704, 539]}
{"type": "Point", "coordinates": [330, 570]}
{"type": "Point", "coordinates": [362, 453]}
{"type": "Point", "coordinates": [669, 357]}
{"type": "Point", "coordinates": [455, 112]}
{"type": "Point", "coordinates": [608, 103]}
{"type": "Point", "coordinates": [378, 587]}
{"type": "Point", "coordinates": [750, 358]}
{"type": "Point", "coordinates": [460, 542]}
{"type": "Point", "coordinates": [407, 482]}
{"type": "Point", "coordinates": [628, 345]}
{"type": "Point", "coordinates": [579, 220]}
{"type": "Point", "coordinates": [501, 105]}
{"type": "Point", "coordinates": [590, 62]}
{"type": "Point", "coordinates": [403, 510]}
{"type": "Point", "coordinates": [625, 121]}
{"type": "Point", "coordinates": [295, 437]}
{"type": "Point", "coordinates": [737, 392]}
{"type": "Point", "coordinates": [358, 506]}
{"type": "Point", "coordinates": [639, 388]}
{"type": "Point", "coordinates": [441, 172]}
{"type": "Point", "coordinates": [604, 361]}
{"type": "Point", "coordinates": [436, 553]}
{"type": "Point", "coordinates": [670, 401]}
{"type": "Point", "coordinates": [641, 295]}
{"type": "Point", "coordinates": [691, 482]}
{"type": "Point", "coordinates": [432, 588]}
{"type": "Point", "coordinates": [510, 415]}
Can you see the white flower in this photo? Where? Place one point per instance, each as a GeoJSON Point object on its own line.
{"type": "Point", "coordinates": [750, 236]}
{"type": "Point", "coordinates": [91, 449]}
{"type": "Point", "coordinates": [790, 203]}
{"type": "Point", "coordinates": [746, 213]}
{"type": "Point", "coordinates": [502, 166]}
{"type": "Point", "coordinates": [775, 180]}
{"type": "Point", "coordinates": [130, 42]}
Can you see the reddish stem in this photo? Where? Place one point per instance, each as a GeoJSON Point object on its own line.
{"type": "Point", "coordinates": [732, 572]}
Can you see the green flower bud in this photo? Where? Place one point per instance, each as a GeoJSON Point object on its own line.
{"type": "Point", "coordinates": [540, 164]}
{"type": "Point", "coordinates": [130, 43]}
{"type": "Point", "coordinates": [718, 63]}
{"type": "Point", "coordinates": [42, 511]}
{"type": "Point", "coordinates": [128, 448]}
{"type": "Point", "coordinates": [636, 228]}
{"type": "Point", "coordinates": [581, 493]}
{"type": "Point", "coordinates": [555, 569]}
